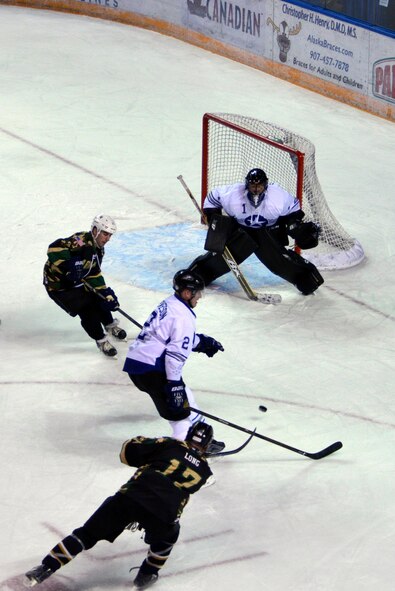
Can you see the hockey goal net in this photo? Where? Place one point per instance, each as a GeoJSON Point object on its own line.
{"type": "Point", "coordinates": [233, 144]}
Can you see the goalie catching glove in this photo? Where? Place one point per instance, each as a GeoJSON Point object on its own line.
{"type": "Point", "coordinates": [305, 234]}
{"type": "Point", "coordinates": [207, 345]}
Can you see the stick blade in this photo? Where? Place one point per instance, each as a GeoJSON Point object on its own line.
{"type": "Point", "coordinates": [269, 298]}
{"type": "Point", "coordinates": [234, 451]}
{"type": "Point", "coordinates": [325, 452]}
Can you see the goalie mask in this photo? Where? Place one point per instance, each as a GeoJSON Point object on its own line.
{"type": "Point", "coordinates": [185, 279]}
{"type": "Point", "coordinates": [256, 184]}
{"type": "Point", "coordinates": [200, 434]}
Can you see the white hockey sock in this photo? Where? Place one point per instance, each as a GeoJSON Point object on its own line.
{"type": "Point", "coordinates": [194, 416]}
{"type": "Point", "coordinates": [180, 428]}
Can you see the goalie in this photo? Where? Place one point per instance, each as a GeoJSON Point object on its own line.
{"type": "Point", "coordinates": [260, 218]}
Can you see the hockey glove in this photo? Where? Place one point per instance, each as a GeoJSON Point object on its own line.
{"type": "Point", "coordinates": [73, 270]}
{"type": "Point", "coordinates": [208, 345]}
{"type": "Point", "coordinates": [110, 302]}
{"type": "Point", "coordinates": [176, 396]}
{"type": "Point", "coordinates": [305, 234]}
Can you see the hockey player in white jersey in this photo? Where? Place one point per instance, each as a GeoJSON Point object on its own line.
{"type": "Point", "coordinates": [260, 217]}
{"type": "Point", "coordinates": [156, 358]}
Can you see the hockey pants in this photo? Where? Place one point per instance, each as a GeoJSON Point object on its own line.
{"type": "Point", "coordinates": [86, 305]}
{"type": "Point", "coordinates": [153, 383]}
{"type": "Point", "coordinates": [107, 523]}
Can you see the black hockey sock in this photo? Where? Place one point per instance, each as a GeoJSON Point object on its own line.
{"type": "Point", "coordinates": [63, 552]}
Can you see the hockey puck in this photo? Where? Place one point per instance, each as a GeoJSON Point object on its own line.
{"type": "Point", "coordinates": [262, 408]}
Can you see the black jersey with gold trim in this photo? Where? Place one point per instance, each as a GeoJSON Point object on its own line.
{"type": "Point", "coordinates": [169, 471]}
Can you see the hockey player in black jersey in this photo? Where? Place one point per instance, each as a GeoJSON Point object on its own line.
{"type": "Point", "coordinates": [168, 472]}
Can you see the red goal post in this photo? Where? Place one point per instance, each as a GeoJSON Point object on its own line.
{"type": "Point", "coordinates": [234, 144]}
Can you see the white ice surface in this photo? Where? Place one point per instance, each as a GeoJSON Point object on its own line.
{"type": "Point", "coordinates": [97, 116]}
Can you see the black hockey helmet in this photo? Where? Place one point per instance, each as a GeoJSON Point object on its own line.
{"type": "Point", "coordinates": [201, 434]}
{"type": "Point", "coordinates": [186, 279]}
{"type": "Point", "coordinates": [256, 177]}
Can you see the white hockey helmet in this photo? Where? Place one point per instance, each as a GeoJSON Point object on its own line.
{"type": "Point", "coordinates": [104, 223]}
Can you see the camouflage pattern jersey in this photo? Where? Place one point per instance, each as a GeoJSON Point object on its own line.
{"type": "Point", "coordinates": [79, 246]}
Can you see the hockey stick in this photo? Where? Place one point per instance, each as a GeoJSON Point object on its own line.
{"type": "Point", "coordinates": [128, 317]}
{"type": "Point", "coordinates": [313, 456]}
{"type": "Point", "coordinates": [266, 298]}
{"type": "Point", "coordinates": [231, 452]}
{"type": "Point", "coordinates": [88, 286]}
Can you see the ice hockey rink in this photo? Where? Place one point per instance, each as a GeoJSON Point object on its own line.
{"type": "Point", "coordinates": [101, 117]}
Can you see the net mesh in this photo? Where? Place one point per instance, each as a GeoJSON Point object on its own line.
{"type": "Point", "coordinates": [234, 144]}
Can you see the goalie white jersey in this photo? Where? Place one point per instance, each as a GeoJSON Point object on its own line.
{"type": "Point", "coordinates": [165, 341]}
{"type": "Point", "coordinates": [233, 199]}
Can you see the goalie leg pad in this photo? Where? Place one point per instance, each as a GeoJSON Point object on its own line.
{"type": "Point", "coordinates": [308, 278]}
{"type": "Point", "coordinates": [287, 264]}
{"type": "Point", "coordinates": [210, 266]}
{"type": "Point", "coordinates": [307, 283]}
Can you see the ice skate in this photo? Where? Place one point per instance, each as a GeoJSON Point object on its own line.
{"type": "Point", "coordinates": [143, 580]}
{"type": "Point", "coordinates": [116, 331]}
{"type": "Point", "coordinates": [106, 347]}
{"type": "Point", "coordinates": [37, 575]}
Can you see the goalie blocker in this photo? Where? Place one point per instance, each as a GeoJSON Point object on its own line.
{"type": "Point", "coordinates": [268, 245]}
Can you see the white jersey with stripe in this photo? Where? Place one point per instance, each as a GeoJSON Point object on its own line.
{"type": "Point", "coordinates": [234, 201]}
{"type": "Point", "coordinates": [166, 339]}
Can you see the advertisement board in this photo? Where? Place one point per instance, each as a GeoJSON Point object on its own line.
{"type": "Point", "coordinates": [382, 69]}
{"type": "Point", "coordinates": [333, 50]}
{"type": "Point", "coordinates": [241, 23]}
{"type": "Point", "coordinates": [317, 44]}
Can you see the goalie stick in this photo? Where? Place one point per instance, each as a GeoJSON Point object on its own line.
{"type": "Point", "coordinates": [323, 453]}
{"type": "Point", "coordinates": [265, 298]}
